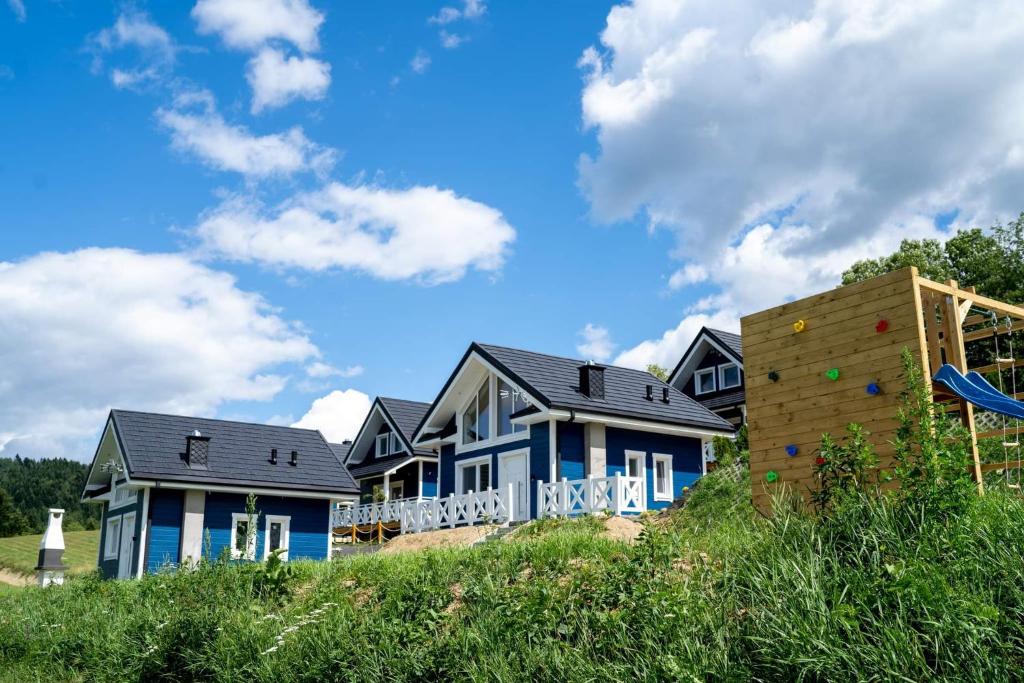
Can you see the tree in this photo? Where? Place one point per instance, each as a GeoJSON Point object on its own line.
{"type": "Point", "coordinates": [658, 371]}
{"type": "Point", "coordinates": [12, 521]}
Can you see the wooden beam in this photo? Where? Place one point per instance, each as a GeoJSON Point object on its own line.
{"type": "Point", "coordinates": [990, 466]}
{"type": "Point", "coordinates": [955, 338]}
{"type": "Point", "coordinates": [1017, 362]}
{"type": "Point", "coordinates": [979, 301]}
{"type": "Point", "coordinates": [1010, 431]}
{"type": "Point", "coordinates": [990, 332]}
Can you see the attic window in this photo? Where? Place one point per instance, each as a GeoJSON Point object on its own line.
{"type": "Point", "coordinates": [396, 443]}
{"type": "Point", "coordinates": [728, 376]}
{"type": "Point", "coordinates": [476, 418]}
{"type": "Point", "coordinates": [510, 400]}
{"type": "Point", "coordinates": [704, 381]}
{"type": "Point", "coordinates": [382, 445]}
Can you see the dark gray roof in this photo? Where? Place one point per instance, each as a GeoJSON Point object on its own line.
{"type": "Point", "coordinates": [341, 449]}
{"type": "Point", "coordinates": [239, 453]}
{"type": "Point", "coordinates": [733, 398]}
{"type": "Point", "coordinates": [555, 380]}
{"type": "Point", "coordinates": [405, 414]}
{"type": "Point", "coordinates": [379, 466]}
{"type": "Point", "coordinates": [730, 340]}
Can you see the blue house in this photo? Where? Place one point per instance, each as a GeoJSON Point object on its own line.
{"type": "Point", "coordinates": [174, 489]}
{"type": "Point", "coordinates": [382, 459]}
{"type": "Point", "coordinates": [564, 436]}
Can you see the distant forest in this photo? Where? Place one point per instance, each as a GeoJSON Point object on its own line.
{"type": "Point", "coordinates": [28, 487]}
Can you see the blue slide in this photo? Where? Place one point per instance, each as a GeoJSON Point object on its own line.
{"type": "Point", "coordinates": [976, 390]}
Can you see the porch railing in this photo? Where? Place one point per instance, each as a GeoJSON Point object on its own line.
{"type": "Point", "coordinates": [493, 505]}
{"type": "Point", "coordinates": [371, 513]}
{"type": "Point", "coordinates": [617, 495]}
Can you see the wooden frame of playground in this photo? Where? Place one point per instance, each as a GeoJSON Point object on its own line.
{"type": "Point", "coordinates": [815, 365]}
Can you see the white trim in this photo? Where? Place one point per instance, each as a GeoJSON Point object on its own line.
{"type": "Point", "coordinates": [283, 493]}
{"type": "Point", "coordinates": [132, 495]}
{"type": "Point", "coordinates": [377, 452]}
{"type": "Point", "coordinates": [286, 532]}
{"type": "Point", "coordinates": [640, 425]}
{"type": "Point", "coordinates": [666, 459]}
{"type": "Point", "coordinates": [143, 534]}
{"type": "Point", "coordinates": [419, 488]}
{"type": "Point", "coordinates": [107, 554]}
{"type": "Point", "coordinates": [696, 383]}
{"type": "Point", "coordinates": [120, 546]}
{"type": "Point", "coordinates": [689, 359]}
{"type": "Point", "coordinates": [525, 452]}
{"type": "Point", "coordinates": [392, 485]}
{"type": "Point", "coordinates": [642, 456]}
{"type": "Point", "coordinates": [721, 376]}
{"type": "Point", "coordinates": [395, 446]}
{"type": "Point", "coordinates": [250, 553]}
{"type": "Point", "coordinates": [461, 465]}
{"type": "Point", "coordinates": [552, 449]}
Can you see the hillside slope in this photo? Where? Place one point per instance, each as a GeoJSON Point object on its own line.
{"type": "Point", "coordinates": [20, 553]}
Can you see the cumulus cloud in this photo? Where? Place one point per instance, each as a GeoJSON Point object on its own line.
{"type": "Point", "coordinates": [338, 415]}
{"type": "Point", "coordinates": [425, 233]}
{"type": "Point", "coordinates": [248, 24]}
{"type": "Point", "coordinates": [470, 10]}
{"type": "Point", "coordinates": [596, 343]}
{"type": "Point", "coordinates": [277, 79]}
{"type": "Point", "coordinates": [668, 349]}
{"type": "Point", "coordinates": [785, 140]}
{"type": "Point", "coordinates": [88, 330]}
{"type": "Point", "coordinates": [198, 129]}
{"type": "Point", "coordinates": [155, 50]}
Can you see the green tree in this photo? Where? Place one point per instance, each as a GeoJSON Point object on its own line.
{"type": "Point", "coordinates": [12, 521]}
{"type": "Point", "coordinates": [658, 371]}
{"type": "Point", "coordinates": [928, 255]}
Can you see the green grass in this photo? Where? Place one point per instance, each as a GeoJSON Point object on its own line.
{"type": "Point", "coordinates": [20, 553]}
{"type": "Point", "coordinates": [716, 592]}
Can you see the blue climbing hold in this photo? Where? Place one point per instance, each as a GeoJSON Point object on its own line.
{"type": "Point", "coordinates": [874, 389]}
{"type": "Point", "coordinates": [792, 450]}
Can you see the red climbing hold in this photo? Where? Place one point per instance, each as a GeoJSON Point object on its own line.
{"type": "Point", "coordinates": [882, 326]}
{"type": "Point", "coordinates": [819, 460]}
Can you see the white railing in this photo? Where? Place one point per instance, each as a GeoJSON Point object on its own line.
{"type": "Point", "coordinates": [617, 495]}
{"type": "Point", "coordinates": [371, 513]}
{"type": "Point", "coordinates": [493, 506]}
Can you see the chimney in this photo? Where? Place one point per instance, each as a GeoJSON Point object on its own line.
{"type": "Point", "coordinates": [664, 394]}
{"type": "Point", "coordinates": [295, 458]}
{"type": "Point", "coordinates": [273, 456]}
{"type": "Point", "coordinates": [592, 380]}
{"type": "Point", "coordinates": [197, 451]}
{"type": "Point", "coordinates": [650, 392]}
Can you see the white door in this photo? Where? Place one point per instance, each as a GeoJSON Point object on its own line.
{"type": "Point", "coordinates": [127, 549]}
{"type": "Point", "coordinates": [512, 470]}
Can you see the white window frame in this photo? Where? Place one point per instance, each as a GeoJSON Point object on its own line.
{"type": "Point", "coordinates": [492, 421]}
{"type": "Point", "coordinates": [114, 534]}
{"type": "Point", "coordinates": [642, 457]}
{"type": "Point", "coordinates": [115, 490]}
{"type": "Point", "coordinates": [516, 428]}
{"type": "Point", "coordinates": [250, 553]}
{"type": "Point", "coordinates": [463, 465]}
{"type": "Point", "coordinates": [381, 452]}
{"type": "Point", "coordinates": [721, 376]}
{"type": "Point", "coordinates": [696, 381]}
{"type": "Point", "coordinates": [666, 460]}
{"type": "Point", "coordinates": [286, 533]}
{"type": "Point", "coordinates": [394, 444]}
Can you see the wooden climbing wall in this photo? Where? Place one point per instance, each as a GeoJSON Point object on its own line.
{"type": "Point", "coordinates": [858, 330]}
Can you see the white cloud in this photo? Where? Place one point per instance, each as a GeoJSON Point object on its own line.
{"type": "Point", "coordinates": [18, 7]}
{"type": "Point", "coordinates": [248, 24]}
{"type": "Point", "coordinates": [319, 369]}
{"type": "Point", "coordinates": [338, 415]}
{"type": "Point", "coordinates": [421, 232]}
{"type": "Point", "coordinates": [597, 343]}
{"type": "Point", "coordinates": [450, 41]}
{"type": "Point", "coordinates": [420, 62]}
{"type": "Point", "coordinates": [88, 330]}
{"type": "Point", "coordinates": [198, 128]}
{"type": "Point", "coordinates": [156, 50]}
{"type": "Point", "coordinates": [277, 79]}
{"type": "Point", "coordinates": [470, 11]}
{"type": "Point", "coordinates": [782, 141]}
{"type": "Point", "coordinates": [668, 349]}
{"type": "Point", "coordinates": [446, 15]}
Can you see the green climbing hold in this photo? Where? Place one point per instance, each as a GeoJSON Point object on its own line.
{"type": "Point", "coordinates": [833, 374]}
{"type": "Point", "coordinates": [771, 476]}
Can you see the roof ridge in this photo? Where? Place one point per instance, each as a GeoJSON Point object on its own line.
{"type": "Point", "coordinates": [403, 400]}
{"type": "Point", "coordinates": [568, 358]}
{"type": "Point", "coordinates": [217, 419]}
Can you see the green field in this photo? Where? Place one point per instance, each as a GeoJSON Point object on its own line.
{"type": "Point", "coordinates": [19, 553]}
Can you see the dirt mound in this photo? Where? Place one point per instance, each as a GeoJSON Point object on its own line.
{"type": "Point", "coordinates": [622, 529]}
{"type": "Point", "coordinates": [443, 538]}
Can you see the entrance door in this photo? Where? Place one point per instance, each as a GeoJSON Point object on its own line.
{"type": "Point", "coordinates": [512, 470]}
{"type": "Point", "coordinates": [127, 549]}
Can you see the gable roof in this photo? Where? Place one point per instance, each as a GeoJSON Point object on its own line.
{"type": "Point", "coordinates": [403, 416]}
{"type": "Point", "coordinates": [153, 446]}
{"type": "Point", "coordinates": [729, 343]}
{"type": "Point", "coordinates": [554, 382]}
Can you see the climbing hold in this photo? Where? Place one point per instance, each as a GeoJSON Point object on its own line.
{"type": "Point", "coordinates": [882, 326]}
{"type": "Point", "coordinates": [819, 460]}
{"type": "Point", "coordinates": [833, 374]}
{"type": "Point", "coordinates": [799, 326]}
{"type": "Point", "coordinates": [792, 450]}
{"type": "Point", "coordinates": [874, 389]}
{"type": "Point", "coordinates": [771, 476]}
{"type": "Point", "coordinates": [773, 376]}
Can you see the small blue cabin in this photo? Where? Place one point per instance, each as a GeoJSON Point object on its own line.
{"type": "Point", "coordinates": [174, 489]}
{"type": "Point", "coordinates": [382, 459]}
{"type": "Point", "coordinates": [563, 435]}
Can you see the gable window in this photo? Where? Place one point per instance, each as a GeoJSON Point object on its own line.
{"type": "Point", "coordinates": [728, 376]}
{"type": "Point", "coordinates": [396, 443]}
{"type": "Point", "coordinates": [243, 539]}
{"type": "Point", "coordinates": [510, 400]}
{"type": "Point", "coordinates": [382, 445]}
{"type": "Point", "coordinates": [121, 494]}
{"type": "Point", "coordinates": [475, 476]}
{"type": "Point", "coordinates": [704, 381]}
{"type": "Point", "coordinates": [662, 477]}
{"type": "Point", "coordinates": [113, 538]}
{"type": "Point", "coordinates": [476, 418]}
{"type": "Point", "coordinates": [277, 532]}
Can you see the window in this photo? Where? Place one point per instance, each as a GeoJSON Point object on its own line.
{"type": "Point", "coordinates": [510, 400]}
{"type": "Point", "coordinates": [704, 381]}
{"type": "Point", "coordinates": [382, 445]}
{"type": "Point", "coordinates": [396, 443]}
{"type": "Point", "coordinates": [120, 494]}
{"type": "Point", "coordinates": [662, 477]}
{"type": "Point", "coordinates": [476, 418]}
{"type": "Point", "coordinates": [243, 539]}
{"type": "Point", "coordinates": [635, 464]}
{"type": "Point", "coordinates": [397, 491]}
{"type": "Point", "coordinates": [475, 476]}
{"type": "Point", "coordinates": [276, 535]}
{"type": "Point", "coordinates": [728, 376]}
{"type": "Point", "coordinates": [113, 538]}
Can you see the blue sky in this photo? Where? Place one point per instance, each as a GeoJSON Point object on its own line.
{"type": "Point", "coordinates": [586, 172]}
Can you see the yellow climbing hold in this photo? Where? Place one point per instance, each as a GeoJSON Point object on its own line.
{"type": "Point", "coordinates": [799, 326]}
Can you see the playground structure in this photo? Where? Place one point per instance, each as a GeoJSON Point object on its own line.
{"type": "Point", "coordinates": [815, 365]}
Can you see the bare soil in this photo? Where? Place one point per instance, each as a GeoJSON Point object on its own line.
{"type": "Point", "coordinates": [622, 529]}
{"type": "Point", "coordinates": [13, 579]}
{"type": "Point", "coordinates": [443, 538]}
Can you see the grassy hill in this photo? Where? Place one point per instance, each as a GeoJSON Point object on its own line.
{"type": "Point", "coordinates": [19, 553]}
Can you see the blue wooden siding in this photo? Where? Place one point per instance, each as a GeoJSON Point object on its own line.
{"type": "Point", "coordinates": [685, 452]}
{"type": "Point", "coordinates": [429, 479]}
{"type": "Point", "coordinates": [308, 529]}
{"type": "Point", "coordinates": [570, 450]}
{"type": "Point", "coordinates": [449, 459]}
{"type": "Point", "coordinates": [108, 568]}
{"type": "Point", "coordinates": [540, 460]}
{"type": "Point", "coordinates": [166, 511]}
